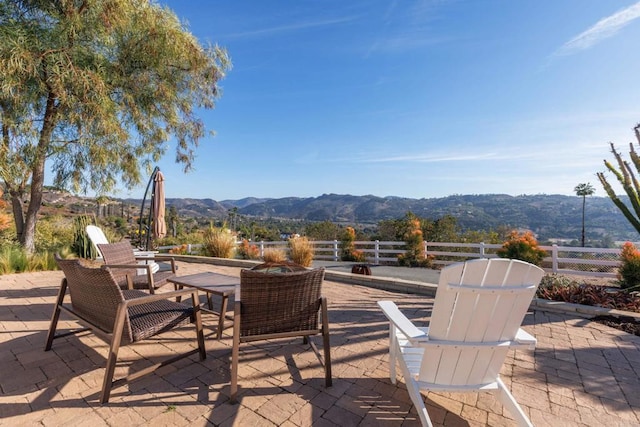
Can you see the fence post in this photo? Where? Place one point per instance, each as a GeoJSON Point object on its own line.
{"type": "Point", "coordinates": [189, 248]}
{"type": "Point", "coordinates": [482, 248]}
{"type": "Point", "coordinates": [335, 250]}
{"type": "Point", "coordinates": [261, 248]}
{"type": "Point", "coordinates": [376, 253]}
{"type": "Point", "coordinates": [554, 258]}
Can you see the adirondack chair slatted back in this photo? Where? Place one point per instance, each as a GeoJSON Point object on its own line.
{"type": "Point", "coordinates": [481, 302]}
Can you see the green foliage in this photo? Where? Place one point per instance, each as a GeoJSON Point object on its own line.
{"type": "Point", "coordinates": [627, 178]}
{"type": "Point", "coordinates": [522, 246]}
{"type": "Point", "coordinates": [53, 233]}
{"type": "Point", "coordinates": [219, 242]}
{"type": "Point", "coordinates": [14, 259]}
{"type": "Point", "coordinates": [325, 230]}
{"type": "Point", "coordinates": [82, 245]}
{"type": "Point", "coordinates": [98, 88]}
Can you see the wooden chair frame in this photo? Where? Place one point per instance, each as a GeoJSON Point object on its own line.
{"type": "Point", "coordinates": [114, 335]}
{"type": "Point", "coordinates": [281, 290]}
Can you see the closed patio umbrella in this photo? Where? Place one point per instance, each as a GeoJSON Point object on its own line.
{"type": "Point", "coordinates": [159, 225]}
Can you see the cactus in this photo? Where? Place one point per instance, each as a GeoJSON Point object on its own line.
{"type": "Point", "coordinates": [628, 180]}
{"type": "Point", "coordinates": [82, 245]}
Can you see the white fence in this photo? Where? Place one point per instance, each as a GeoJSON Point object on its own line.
{"type": "Point", "coordinates": [596, 262]}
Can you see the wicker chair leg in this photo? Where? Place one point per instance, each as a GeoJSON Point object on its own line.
{"type": "Point", "coordinates": [325, 344]}
{"type": "Point", "coordinates": [113, 354]}
{"type": "Point", "coordinates": [235, 353]}
{"type": "Point", "coordinates": [56, 315]}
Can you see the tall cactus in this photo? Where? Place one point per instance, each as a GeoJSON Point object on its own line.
{"type": "Point", "coordinates": [82, 245]}
{"type": "Point", "coordinates": [627, 178]}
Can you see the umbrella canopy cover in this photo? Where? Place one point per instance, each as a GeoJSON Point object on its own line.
{"type": "Point", "coordinates": [159, 225]}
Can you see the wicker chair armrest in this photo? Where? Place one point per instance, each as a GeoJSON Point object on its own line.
{"type": "Point", "coordinates": [157, 297]}
{"type": "Point", "coordinates": [129, 266]}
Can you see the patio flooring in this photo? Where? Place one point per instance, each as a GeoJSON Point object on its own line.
{"type": "Point", "coordinates": [581, 373]}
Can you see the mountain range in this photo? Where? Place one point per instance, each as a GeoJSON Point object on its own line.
{"type": "Point", "coordinates": [549, 216]}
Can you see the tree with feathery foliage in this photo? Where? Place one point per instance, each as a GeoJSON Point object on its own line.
{"type": "Point", "coordinates": [97, 88]}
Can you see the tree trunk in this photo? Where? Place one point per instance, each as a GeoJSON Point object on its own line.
{"type": "Point", "coordinates": [584, 201]}
{"type": "Point", "coordinates": [37, 176]}
{"type": "Point", "coordinates": [18, 211]}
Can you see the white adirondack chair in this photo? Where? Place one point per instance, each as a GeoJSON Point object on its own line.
{"type": "Point", "coordinates": [97, 237]}
{"type": "Point", "coordinates": [476, 318]}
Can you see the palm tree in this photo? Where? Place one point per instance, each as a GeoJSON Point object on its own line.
{"type": "Point", "coordinates": [584, 190]}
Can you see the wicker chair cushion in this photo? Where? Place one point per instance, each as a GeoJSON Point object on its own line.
{"type": "Point", "coordinates": [159, 279]}
{"type": "Point", "coordinates": [274, 303]}
{"type": "Point", "coordinates": [157, 317]}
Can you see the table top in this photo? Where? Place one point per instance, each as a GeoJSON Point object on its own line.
{"type": "Point", "coordinates": [220, 284]}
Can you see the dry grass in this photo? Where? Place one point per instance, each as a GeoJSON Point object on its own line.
{"type": "Point", "coordinates": [301, 251]}
{"type": "Point", "coordinates": [274, 255]}
{"type": "Point", "coordinates": [219, 243]}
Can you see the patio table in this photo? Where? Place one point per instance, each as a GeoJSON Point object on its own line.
{"type": "Point", "coordinates": [211, 284]}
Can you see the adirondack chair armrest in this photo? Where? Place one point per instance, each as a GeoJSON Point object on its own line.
{"type": "Point", "coordinates": [400, 321]}
{"type": "Point", "coordinates": [170, 259]}
{"type": "Point", "coordinates": [525, 339]}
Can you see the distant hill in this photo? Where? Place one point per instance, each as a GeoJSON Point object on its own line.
{"type": "Point", "coordinates": [549, 216]}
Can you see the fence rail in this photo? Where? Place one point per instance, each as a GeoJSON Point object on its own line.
{"type": "Point", "coordinates": [594, 262]}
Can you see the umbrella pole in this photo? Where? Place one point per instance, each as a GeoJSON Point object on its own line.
{"type": "Point", "coordinates": [147, 239]}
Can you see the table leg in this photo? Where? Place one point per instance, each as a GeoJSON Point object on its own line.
{"type": "Point", "coordinates": [223, 315]}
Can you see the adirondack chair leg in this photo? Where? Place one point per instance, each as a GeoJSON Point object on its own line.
{"type": "Point", "coordinates": [393, 349]}
{"type": "Point", "coordinates": [509, 402]}
{"type": "Point", "coordinates": [416, 397]}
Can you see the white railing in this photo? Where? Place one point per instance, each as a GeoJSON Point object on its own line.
{"type": "Point", "coordinates": [596, 262]}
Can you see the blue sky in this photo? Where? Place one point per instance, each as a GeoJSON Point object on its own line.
{"type": "Point", "coordinates": [409, 98]}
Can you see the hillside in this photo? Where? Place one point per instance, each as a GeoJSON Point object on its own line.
{"type": "Point", "coordinates": [549, 216]}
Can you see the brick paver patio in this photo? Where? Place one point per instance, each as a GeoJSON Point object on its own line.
{"type": "Point", "coordinates": [581, 373]}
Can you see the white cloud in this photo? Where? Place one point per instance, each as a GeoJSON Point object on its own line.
{"type": "Point", "coordinates": [289, 28]}
{"type": "Point", "coordinates": [606, 27]}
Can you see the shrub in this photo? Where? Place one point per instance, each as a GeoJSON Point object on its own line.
{"type": "Point", "coordinates": [301, 251]}
{"type": "Point", "coordinates": [274, 255]}
{"type": "Point", "coordinates": [248, 251]}
{"type": "Point", "coordinates": [348, 251]}
{"type": "Point", "coordinates": [559, 288]}
{"type": "Point", "coordinates": [14, 259]}
{"type": "Point", "coordinates": [82, 245]}
{"type": "Point", "coordinates": [415, 255]}
{"type": "Point", "coordinates": [219, 242]}
{"type": "Point", "coordinates": [629, 270]}
{"type": "Point", "coordinates": [522, 246]}
{"type": "Point", "coordinates": [180, 250]}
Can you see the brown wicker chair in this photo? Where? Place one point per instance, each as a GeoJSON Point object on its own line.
{"type": "Point", "coordinates": [121, 259]}
{"type": "Point", "coordinates": [121, 317]}
{"type": "Point", "coordinates": [279, 305]}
